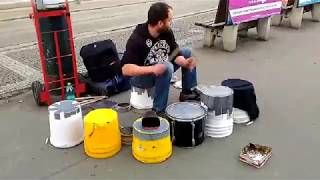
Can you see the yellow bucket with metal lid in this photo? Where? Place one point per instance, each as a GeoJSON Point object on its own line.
{"type": "Point", "coordinates": [151, 146]}
{"type": "Point", "coordinates": [102, 137]}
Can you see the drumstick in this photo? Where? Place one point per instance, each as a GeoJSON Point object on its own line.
{"type": "Point", "coordinates": [90, 102]}
{"type": "Point", "coordinates": [89, 97]}
{"type": "Point", "coordinates": [93, 101]}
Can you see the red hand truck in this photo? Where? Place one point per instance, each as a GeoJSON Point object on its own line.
{"type": "Point", "coordinates": [57, 54]}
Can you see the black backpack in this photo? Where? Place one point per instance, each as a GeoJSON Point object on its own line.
{"type": "Point", "coordinates": [101, 60]}
{"type": "Point", "coordinates": [244, 96]}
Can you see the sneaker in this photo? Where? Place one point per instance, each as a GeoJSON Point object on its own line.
{"type": "Point", "coordinates": [161, 114]}
{"type": "Point", "coordinates": [189, 96]}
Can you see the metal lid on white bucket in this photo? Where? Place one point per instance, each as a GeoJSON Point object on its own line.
{"type": "Point", "coordinates": [216, 91]}
{"type": "Point", "coordinates": [64, 109]}
{"type": "Point", "coordinates": [151, 134]}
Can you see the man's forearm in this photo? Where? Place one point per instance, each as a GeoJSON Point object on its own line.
{"type": "Point", "coordinates": [135, 70]}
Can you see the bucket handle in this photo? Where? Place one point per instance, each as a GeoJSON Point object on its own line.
{"type": "Point", "coordinates": [94, 128]}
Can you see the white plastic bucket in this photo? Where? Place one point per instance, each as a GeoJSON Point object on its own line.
{"type": "Point", "coordinates": [66, 124]}
{"type": "Point", "coordinates": [142, 98]}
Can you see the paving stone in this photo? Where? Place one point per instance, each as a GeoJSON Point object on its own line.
{"type": "Point", "coordinates": [8, 77]}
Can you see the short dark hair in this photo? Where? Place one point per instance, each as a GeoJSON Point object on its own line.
{"type": "Point", "coordinates": [158, 12]}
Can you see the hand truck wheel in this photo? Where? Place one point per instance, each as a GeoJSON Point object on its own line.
{"type": "Point", "coordinates": [37, 88]}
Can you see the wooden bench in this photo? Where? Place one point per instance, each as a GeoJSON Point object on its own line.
{"type": "Point", "coordinates": [222, 27]}
{"type": "Point", "coordinates": [294, 13]}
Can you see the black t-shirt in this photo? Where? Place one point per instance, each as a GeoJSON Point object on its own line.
{"type": "Point", "coordinates": [144, 50]}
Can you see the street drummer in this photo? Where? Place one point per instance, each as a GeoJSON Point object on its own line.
{"type": "Point", "coordinates": [152, 55]}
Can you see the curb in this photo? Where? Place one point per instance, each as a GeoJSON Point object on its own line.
{"type": "Point", "coordinates": [14, 5]}
{"type": "Point", "coordinates": [24, 5]}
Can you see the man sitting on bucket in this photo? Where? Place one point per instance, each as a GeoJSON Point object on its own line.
{"type": "Point", "coordinates": [147, 59]}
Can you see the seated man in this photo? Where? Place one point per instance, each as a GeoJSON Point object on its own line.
{"type": "Point", "coordinates": [152, 56]}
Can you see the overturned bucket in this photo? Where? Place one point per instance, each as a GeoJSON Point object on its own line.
{"type": "Point", "coordinates": [151, 145]}
{"type": "Point", "coordinates": [101, 133]}
{"type": "Point", "coordinates": [66, 124]}
{"type": "Point", "coordinates": [142, 98]}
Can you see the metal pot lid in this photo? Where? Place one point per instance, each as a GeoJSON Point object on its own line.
{"type": "Point", "coordinates": [185, 111]}
{"type": "Point", "coordinates": [164, 126]}
{"type": "Point", "coordinates": [216, 91]}
{"type": "Point", "coordinates": [68, 107]}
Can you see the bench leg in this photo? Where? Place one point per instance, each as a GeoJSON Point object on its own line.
{"type": "Point", "coordinates": [316, 12]}
{"type": "Point", "coordinates": [263, 28]}
{"type": "Point", "coordinates": [209, 38]}
{"type": "Point", "coordinates": [229, 37]}
{"type": "Point", "coordinates": [295, 16]}
{"type": "Point", "coordinates": [276, 20]}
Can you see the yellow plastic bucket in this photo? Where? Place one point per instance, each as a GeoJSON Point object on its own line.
{"type": "Point", "coordinates": [151, 146]}
{"type": "Point", "coordinates": [102, 137]}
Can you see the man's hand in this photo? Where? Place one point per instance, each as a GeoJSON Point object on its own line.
{"type": "Point", "coordinates": [159, 69]}
{"type": "Point", "coordinates": [191, 63]}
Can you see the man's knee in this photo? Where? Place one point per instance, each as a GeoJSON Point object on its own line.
{"type": "Point", "coordinates": [186, 52]}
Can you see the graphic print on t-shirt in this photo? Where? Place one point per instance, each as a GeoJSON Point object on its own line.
{"type": "Point", "coordinates": [158, 53]}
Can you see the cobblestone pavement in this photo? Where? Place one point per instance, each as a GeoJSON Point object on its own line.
{"type": "Point", "coordinates": [8, 77]}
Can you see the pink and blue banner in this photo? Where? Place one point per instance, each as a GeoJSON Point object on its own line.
{"type": "Point", "coordinates": [248, 10]}
{"type": "Point", "coordinates": [307, 2]}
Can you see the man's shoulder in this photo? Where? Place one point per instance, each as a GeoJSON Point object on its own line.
{"type": "Point", "coordinates": [138, 35]}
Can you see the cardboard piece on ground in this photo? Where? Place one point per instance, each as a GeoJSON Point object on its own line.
{"type": "Point", "coordinates": [255, 155]}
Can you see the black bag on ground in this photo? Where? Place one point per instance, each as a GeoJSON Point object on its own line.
{"type": "Point", "coordinates": [244, 96]}
{"type": "Point", "coordinates": [110, 87]}
{"type": "Point", "coordinates": [101, 60]}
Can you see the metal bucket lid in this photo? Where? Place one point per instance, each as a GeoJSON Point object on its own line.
{"type": "Point", "coordinates": [67, 107]}
{"type": "Point", "coordinates": [185, 111]}
{"type": "Point", "coordinates": [216, 91]}
{"type": "Point", "coordinates": [151, 134]}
